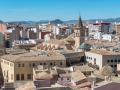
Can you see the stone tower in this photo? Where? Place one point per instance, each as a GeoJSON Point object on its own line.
{"type": "Point", "coordinates": [79, 33]}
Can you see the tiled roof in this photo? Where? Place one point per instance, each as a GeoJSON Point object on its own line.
{"type": "Point", "coordinates": [77, 75]}
{"type": "Point", "coordinates": [104, 52]}
{"type": "Point", "coordinates": [84, 68]}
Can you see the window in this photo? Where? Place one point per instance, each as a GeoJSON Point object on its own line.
{"type": "Point", "coordinates": [95, 59]}
{"type": "Point", "coordinates": [111, 65]}
{"type": "Point", "coordinates": [115, 65]}
{"type": "Point", "coordinates": [40, 63]}
{"type": "Point", "coordinates": [19, 65]}
{"type": "Point", "coordinates": [22, 76]}
{"type": "Point", "coordinates": [22, 65]}
{"type": "Point", "coordinates": [33, 64]}
{"type": "Point", "coordinates": [115, 60]}
{"type": "Point", "coordinates": [61, 63]}
{"type": "Point", "coordinates": [7, 73]}
{"type": "Point", "coordinates": [29, 76]}
{"type": "Point", "coordinates": [111, 60]}
{"type": "Point", "coordinates": [44, 63]}
{"type": "Point", "coordinates": [51, 64]}
{"type": "Point", "coordinates": [108, 61]}
{"type": "Point", "coordinates": [87, 57]}
{"type": "Point", "coordinates": [68, 79]}
{"type": "Point", "coordinates": [91, 58]}
{"type": "Point", "coordinates": [17, 77]}
{"type": "Point", "coordinates": [119, 60]}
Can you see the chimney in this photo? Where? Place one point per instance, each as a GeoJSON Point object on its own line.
{"type": "Point", "coordinates": [72, 69]}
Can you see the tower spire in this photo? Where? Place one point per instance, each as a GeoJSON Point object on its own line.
{"type": "Point", "coordinates": [80, 24]}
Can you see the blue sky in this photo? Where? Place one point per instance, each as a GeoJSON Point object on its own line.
{"type": "Point", "coordinates": [17, 10]}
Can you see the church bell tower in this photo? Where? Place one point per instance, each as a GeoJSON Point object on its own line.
{"type": "Point", "coordinates": [79, 33]}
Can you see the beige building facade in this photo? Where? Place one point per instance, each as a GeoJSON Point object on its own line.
{"type": "Point", "coordinates": [20, 67]}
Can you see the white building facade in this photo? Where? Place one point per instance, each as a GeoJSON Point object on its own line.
{"type": "Point", "coordinates": [102, 58]}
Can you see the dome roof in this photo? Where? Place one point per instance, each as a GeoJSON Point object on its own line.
{"type": "Point", "coordinates": [43, 76]}
{"type": "Point", "coordinates": [85, 46]}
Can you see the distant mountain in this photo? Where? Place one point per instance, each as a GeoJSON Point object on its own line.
{"type": "Point", "coordinates": [42, 21]}
{"type": "Point", "coordinates": [1, 21]}
{"type": "Point", "coordinates": [58, 21]}
{"type": "Point", "coordinates": [22, 22]}
{"type": "Point", "coordinates": [111, 20]}
{"type": "Point", "coordinates": [71, 21]}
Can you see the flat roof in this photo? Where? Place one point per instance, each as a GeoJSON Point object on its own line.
{"type": "Point", "coordinates": [104, 52]}
{"type": "Point", "coordinates": [34, 56]}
